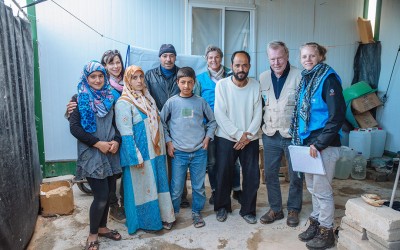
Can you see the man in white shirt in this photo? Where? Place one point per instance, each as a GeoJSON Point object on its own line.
{"type": "Point", "coordinates": [238, 114]}
{"type": "Point", "coordinates": [278, 88]}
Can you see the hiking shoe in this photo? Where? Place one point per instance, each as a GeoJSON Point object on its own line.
{"type": "Point", "coordinates": [249, 218]}
{"type": "Point", "coordinates": [184, 203]}
{"type": "Point", "coordinates": [271, 216]}
{"type": "Point", "coordinates": [292, 218]}
{"type": "Point", "coordinates": [222, 214]}
{"type": "Point", "coordinates": [211, 200]}
{"type": "Point", "coordinates": [311, 231]}
{"type": "Point", "coordinates": [117, 213]}
{"type": "Point", "coordinates": [323, 240]}
{"type": "Point", "coordinates": [198, 220]}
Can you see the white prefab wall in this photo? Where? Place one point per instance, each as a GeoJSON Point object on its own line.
{"type": "Point", "coordinates": [388, 116]}
{"type": "Point", "coordinates": [331, 23]}
{"type": "Point", "coordinates": [65, 44]}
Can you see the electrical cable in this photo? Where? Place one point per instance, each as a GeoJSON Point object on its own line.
{"type": "Point", "coordinates": [87, 25]}
{"type": "Point", "coordinates": [385, 97]}
{"type": "Point", "coordinates": [110, 38]}
{"type": "Point", "coordinates": [20, 9]}
{"type": "Point", "coordinates": [115, 40]}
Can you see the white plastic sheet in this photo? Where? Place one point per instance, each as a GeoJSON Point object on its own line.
{"type": "Point", "coordinates": [148, 59]}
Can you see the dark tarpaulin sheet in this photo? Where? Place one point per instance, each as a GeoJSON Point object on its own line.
{"type": "Point", "coordinates": [367, 64]}
{"type": "Point", "coordinates": [19, 160]}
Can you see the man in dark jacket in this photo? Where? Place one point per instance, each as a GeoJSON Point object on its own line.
{"type": "Point", "coordinates": [161, 81]}
{"type": "Point", "coordinates": [162, 84]}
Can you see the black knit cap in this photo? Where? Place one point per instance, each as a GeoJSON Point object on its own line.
{"type": "Point", "coordinates": [167, 48]}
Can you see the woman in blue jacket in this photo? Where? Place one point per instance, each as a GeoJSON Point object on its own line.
{"type": "Point", "coordinates": [205, 87]}
{"type": "Point", "coordinates": [317, 119]}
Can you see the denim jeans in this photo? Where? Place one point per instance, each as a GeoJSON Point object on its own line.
{"type": "Point", "coordinates": [226, 158]}
{"type": "Point", "coordinates": [274, 148]}
{"type": "Point", "coordinates": [212, 173]}
{"type": "Point", "coordinates": [196, 162]}
{"type": "Point", "coordinates": [320, 187]}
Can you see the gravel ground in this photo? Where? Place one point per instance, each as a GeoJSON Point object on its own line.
{"type": "Point", "coordinates": [70, 232]}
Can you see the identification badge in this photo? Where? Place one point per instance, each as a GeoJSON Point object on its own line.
{"type": "Point", "coordinates": [264, 95]}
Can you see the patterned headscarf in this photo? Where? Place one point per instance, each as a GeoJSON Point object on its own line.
{"type": "Point", "coordinates": [310, 81]}
{"type": "Point", "coordinates": [93, 102]}
{"type": "Point", "coordinates": [145, 103]}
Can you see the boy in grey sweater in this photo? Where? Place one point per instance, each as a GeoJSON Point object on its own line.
{"type": "Point", "coordinates": [189, 125]}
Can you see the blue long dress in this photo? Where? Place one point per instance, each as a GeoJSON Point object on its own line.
{"type": "Point", "coordinates": [147, 199]}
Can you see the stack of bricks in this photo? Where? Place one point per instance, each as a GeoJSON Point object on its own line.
{"type": "Point", "coordinates": [368, 227]}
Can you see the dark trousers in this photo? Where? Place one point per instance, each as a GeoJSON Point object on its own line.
{"type": "Point", "coordinates": [275, 147]}
{"type": "Point", "coordinates": [212, 172]}
{"type": "Point", "coordinates": [101, 189]}
{"type": "Point", "coordinates": [226, 158]}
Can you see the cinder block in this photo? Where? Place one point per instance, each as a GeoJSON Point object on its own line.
{"type": "Point", "coordinates": [348, 241]}
{"type": "Point", "coordinates": [347, 220]}
{"type": "Point", "coordinates": [356, 234]}
{"type": "Point", "coordinates": [382, 221]}
{"type": "Point", "coordinates": [377, 241]}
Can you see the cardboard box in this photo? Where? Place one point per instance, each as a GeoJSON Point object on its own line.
{"type": "Point", "coordinates": [365, 103]}
{"type": "Point", "coordinates": [56, 198]}
{"type": "Point", "coordinates": [365, 30]}
{"type": "Point", "coordinates": [365, 120]}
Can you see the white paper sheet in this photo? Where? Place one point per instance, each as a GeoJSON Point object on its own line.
{"type": "Point", "coordinates": [303, 162]}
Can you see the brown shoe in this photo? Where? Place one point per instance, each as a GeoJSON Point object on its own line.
{"type": "Point", "coordinates": [292, 218]}
{"type": "Point", "coordinates": [271, 216]}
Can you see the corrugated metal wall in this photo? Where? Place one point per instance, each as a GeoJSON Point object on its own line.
{"type": "Point", "coordinates": [19, 159]}
{"type": "Point", "coordinates": [66, 44]}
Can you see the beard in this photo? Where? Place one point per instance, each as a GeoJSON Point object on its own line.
{"type": "Point", "coordinates": [240, 76]}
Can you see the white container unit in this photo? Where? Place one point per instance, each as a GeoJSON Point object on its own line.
{"type": "Point", "coordinates": [378, 140]}
{"type": "Point", "coordinates": [360, 141]}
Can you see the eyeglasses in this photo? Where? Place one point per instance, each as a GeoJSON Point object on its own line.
{"type": "Point", "coordinates": [108, 52]}
{"type": "Point", "coordinates": [136, 77]}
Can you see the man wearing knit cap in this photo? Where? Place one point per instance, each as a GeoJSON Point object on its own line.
{"type": "Point", "coordinates": [162, 84]}
{"type": "Point", "coordinates": [161, 80]}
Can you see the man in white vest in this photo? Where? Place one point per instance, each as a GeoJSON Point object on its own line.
{"type": "Point", "coordinates": [278, 88]}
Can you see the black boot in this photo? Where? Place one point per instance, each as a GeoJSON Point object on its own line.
{"type": "Point", "coordinates": [211, 200]}
{"type": "Point", "coordinates": [323, 240]}
{"type": "Point", "coordinates": [311, 231]}
{"type": "Point", "coordinates": [237, 195]}
{"type": "Point", "coordinates": [117, 213]}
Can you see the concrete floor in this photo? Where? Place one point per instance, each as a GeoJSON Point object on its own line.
{"type": "Point", "coordinates": [70, 232]}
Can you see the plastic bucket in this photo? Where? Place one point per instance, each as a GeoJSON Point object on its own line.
{"type": "Point", "coordinates": [360, 141]}
{"type": "Point", "coordinates": [378, 140]}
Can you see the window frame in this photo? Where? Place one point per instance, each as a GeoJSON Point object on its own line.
{"type": "Point", "coordinates": [223, 8]}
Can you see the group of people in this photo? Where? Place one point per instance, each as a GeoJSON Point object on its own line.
{"type": "Point", "coordinates": [153, 127]}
